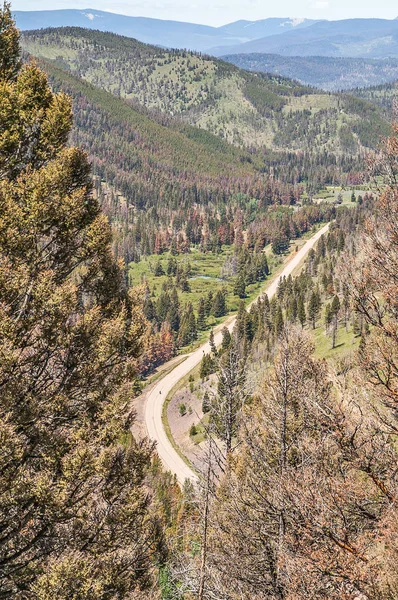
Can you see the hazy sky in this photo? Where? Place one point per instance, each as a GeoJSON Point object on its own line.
{"type": "Point", "coordinates": [219, 12]}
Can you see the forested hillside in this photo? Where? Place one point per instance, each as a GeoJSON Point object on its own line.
{"type": "Point", "coordinates": [384, 96]}
{"type": "Point", "coordinates": [327, 73]}
{"type": "Point", "coordinates": [293, 418]}
{"type": "Point", "coordinates": [156, 177]}
{"type": "Point", "coordinates": [250, 110]}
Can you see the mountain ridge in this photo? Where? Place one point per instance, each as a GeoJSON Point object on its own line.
{"type": "Point", "coordinates": [324, 72]}
{"type": "Point", "coordinates": [167, 33]}
{"type": "Point", "coordinates": [247, 109]}
{"type": "Point", "coordinates": [367, 38]}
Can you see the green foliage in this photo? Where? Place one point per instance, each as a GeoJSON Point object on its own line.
{"type": "Point", "coordinates": [206, 405]}
{"type": "Point", "coordinates": [10, 59]}
{"type": "Point", "coordinates": [74, 506]}
{"type": "Point", "coordinates": [219, 306]}
{"type": "Point", "coordinates": [280, 244]}
{"type": "Point", "coordinates": [243, 108]}
{"type": "Point", "coordinates": [265, 100]}
{"type": "Point", "coordinates": [240, 286]}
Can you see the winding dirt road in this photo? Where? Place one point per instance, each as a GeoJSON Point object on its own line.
{"type": "Point", "coordinates": [170, 458]}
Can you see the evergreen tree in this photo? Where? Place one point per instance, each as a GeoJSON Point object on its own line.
{"type": "Point", "coordinates": [184, 285]}
{"type": "Point", "coordinates": [188, 331]}
{"type": "Point", "coordinates": [162, 306]}
{"type": "Point", "coordinates": [334, 316]}
{"type": "Point", "coordinates": [206, 405]}
{"type": "Point", "coordinates": [302, 317]}
{"type": "Point", "coordinates": [149, 310]}
{"type": "Point", "coordinates": [171, 266]}
{"type": "Point", "coordinates": [208, 303]}
{"type": "Point", "coordinates": [226, 339]}
{"type": "Point", "coordinates": [173, 317]}
{"type": "Point", "coordinates": [314, 309]}
{"type": "Point", "coordinates": [173, 247]}
{"type": "Point", "coordinates": [75, 514]}
{"type": "Point", "coordinates": [328, 316]}
{"type": "Point", "coordinates": [159, 271]}
{"type": "Point", "coordinates": [240, 286]}
{"type": "Point", "coordinates": [207, 366]}
{"type": "Point", "coordinates": [201, 321]}
{"type": "Point", "coordinates": [280, 244]}
{"type": "Point", "coordinates": [219, 308]}
{"type": "Point", "coordinates": [278, 322]}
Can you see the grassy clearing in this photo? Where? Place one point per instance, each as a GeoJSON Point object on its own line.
{"type": "Point", "coordinates": [331, 194]}
{"type": "Point", "coordinates": [346, 342]}
{"type": "Point", "coordinates": [312, 102]}
{"type": "Point", "coordinates": [206, 276]}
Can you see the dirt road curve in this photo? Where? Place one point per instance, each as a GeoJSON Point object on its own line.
{"type": "Point", "coordinates": [155, 399]}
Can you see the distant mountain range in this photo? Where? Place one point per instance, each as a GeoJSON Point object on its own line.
{"type": "Point", "coordinates": [325, 72]}
{"type": "Point", "coordinates": [355, 38]}
{"type": "Point", "coordinates": [169, 34]}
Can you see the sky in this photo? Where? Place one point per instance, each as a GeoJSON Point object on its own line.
{"type": "Point", "coordinates": [220, 12]}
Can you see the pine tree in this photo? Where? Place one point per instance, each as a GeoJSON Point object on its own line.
{"type": "Point", "coordinates": [173, 247]}
{"type": "Point", "coordinates": [171, 266]}
{"type": "Point", "coordinates": [218, 308]}
{"type": "Point", "coordinates": [313, 309]}
{"type": "Point", "coordinates": [201, 321]}
{"type": "Point", "coordinates": [159, 271]}
{"type": "Point", "coordinates": [173, 317]}
{"type": "Point", "coordinates": [206, 405]}
{"type": "Point", "coordinates": [240, 286]}
{"type": "Point", "coordinates": [280, 244]}
{"type": "Point", "coordinates": [188, 331]}
{"type": "Point", "coordinates": [302, 317]}
{"type": "Point", "coordinates": [334, 315]}
{"type": "Point", "coordinates": [208, 303]}
{"type": "Point", "coordinates": [226, 339]}
{"type": "Point", "coordinates": [74, 506]}
{"type": "Point", "coordinates": [278, 322]}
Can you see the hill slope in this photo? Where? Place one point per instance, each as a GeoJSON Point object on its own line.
{"type": "Point", "coordinates": [157, 177]}
{"type": "Point", "coordinates": [246, 109]}
{"type": "Point", "coordinates": [170, 34]}
{"type": "Point", "coordinates": [383, 96]}
{"type": "Point", "coordinates": [367, 38]}
{"type": "Point", "coordinates": [327, 73]}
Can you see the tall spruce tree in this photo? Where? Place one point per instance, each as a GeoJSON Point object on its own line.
{"type": "Point", "coordinates": [74, 513]}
